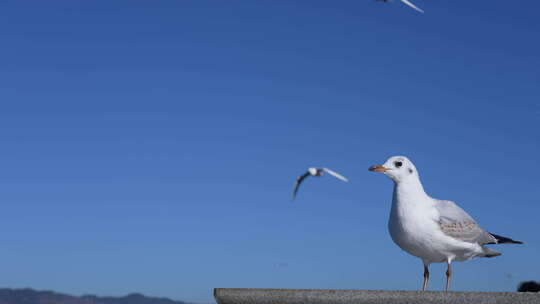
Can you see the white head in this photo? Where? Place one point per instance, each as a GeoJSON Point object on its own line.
{"type": "Point", "coordinates": [313, 171]}
{"type": "Point", "coordinates": [398, 168]}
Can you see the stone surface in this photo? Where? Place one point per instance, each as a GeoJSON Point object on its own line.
{"type": "Point", "coordinates": [308, 296]}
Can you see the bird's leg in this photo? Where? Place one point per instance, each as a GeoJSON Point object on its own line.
{"type": "Point", "coordinates": [426, 277]}
{"type": "Point", "coordinates": [449, 276]}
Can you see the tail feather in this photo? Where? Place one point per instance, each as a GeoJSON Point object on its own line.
{"type": "Point", "coordinates": [490, 253]}
{"type": "Point", "coordinates": [505, 240]}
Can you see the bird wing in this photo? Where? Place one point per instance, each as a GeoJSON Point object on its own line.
{"type": "Point", "coordinates": [457, 223]}
{"type": "Point", "coordinates": [412, 5]}
{"type": "Point", "coordinates": [297, 183]}
{"type": "Point", "coordinates": [335, 174]}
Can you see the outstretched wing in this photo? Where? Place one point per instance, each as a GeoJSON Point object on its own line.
{"type": "Point", "coordinates": [297, 183]}
{"type": "Point", "coordinates": [335, 174]}
{"type": "Point", "coordinates": [412, 5]}
{"type": "Point", "coordinates": [455, 222]}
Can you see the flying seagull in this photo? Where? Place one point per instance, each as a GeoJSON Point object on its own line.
{"type": "Point", "coordinates": [315, 172]}
{"type": "Point", "coordinates": [407, 2]}
{"type": "Point", "coordinates": [433, 230]}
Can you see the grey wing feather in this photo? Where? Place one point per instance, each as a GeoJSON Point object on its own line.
{"type": "Point", "coordinates": [407, 2]}
{"type": "Point", "coordinates": [455, 222]}
{"type": "Point", "coordinates": [297, 183]}
{"type": "Point", "coordinates": [336, 175]}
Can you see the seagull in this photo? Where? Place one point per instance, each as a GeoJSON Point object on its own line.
{"type": "Point", "coordinates": [407, 2]}
{"type": "Point", "coordinates": [315, 172]}
{"type": "Point", "coordinates": [433, 230]}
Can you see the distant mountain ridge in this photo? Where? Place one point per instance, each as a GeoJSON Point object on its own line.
{"type": "Point", "coordinates": [30, 296]}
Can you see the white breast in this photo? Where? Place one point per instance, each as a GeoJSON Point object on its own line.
{"type": "Point", "coordinates": [414, 228]}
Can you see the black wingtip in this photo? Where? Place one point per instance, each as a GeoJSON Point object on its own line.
{"type": "Point", "coordinates": [505, 240]}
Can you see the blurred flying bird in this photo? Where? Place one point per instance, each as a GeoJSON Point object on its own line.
{"type": "Point", "coordinates": [315, 172]}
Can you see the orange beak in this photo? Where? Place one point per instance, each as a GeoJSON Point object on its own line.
{"type": "Point", "coordinates": [378, 168]}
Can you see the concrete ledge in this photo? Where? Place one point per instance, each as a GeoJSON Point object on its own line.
{"type": "Point", "coordinates": [308, 296]}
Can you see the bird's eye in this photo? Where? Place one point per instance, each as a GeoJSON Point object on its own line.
{"type": "Point", "coordinates": [398, 164]}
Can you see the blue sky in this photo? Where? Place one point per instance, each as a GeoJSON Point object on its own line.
{"type": "Point", "coordinates": [152, 147]}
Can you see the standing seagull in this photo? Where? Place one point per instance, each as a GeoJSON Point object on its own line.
{"type": "Point", "coordinates": [315, 172]}
{"type": "Point", "coordinates": [436, 231]}
{"type": "Point", "coordinates": [407, 2]}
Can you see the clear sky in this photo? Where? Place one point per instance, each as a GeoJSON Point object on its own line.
{"type": "Point", "coordinates": [152, 146]}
